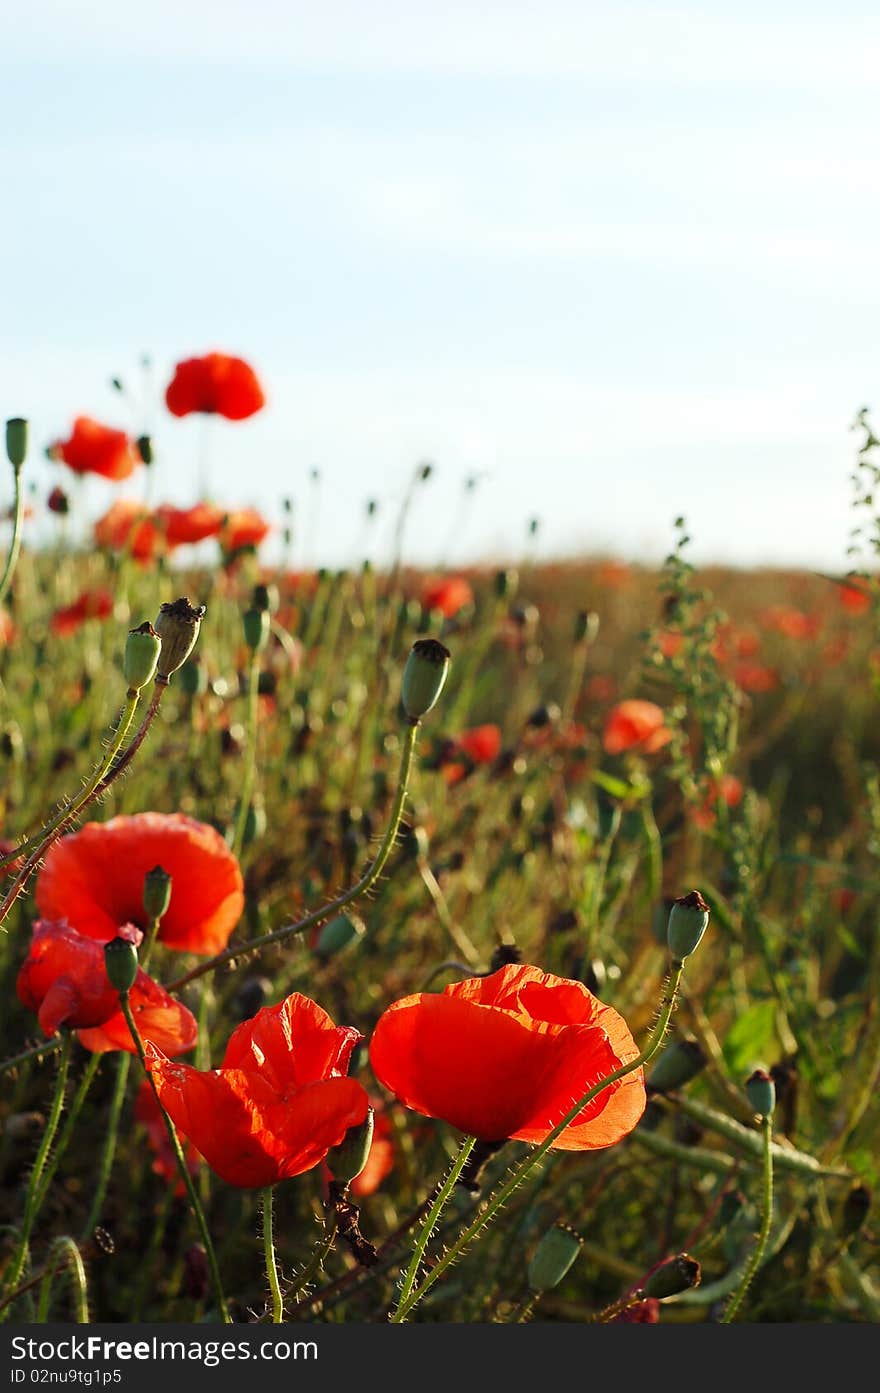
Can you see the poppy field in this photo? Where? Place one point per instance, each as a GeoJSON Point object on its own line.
{"type": "Point", "coordinates": [382, 945]}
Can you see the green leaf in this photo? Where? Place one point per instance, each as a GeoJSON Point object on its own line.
{"type": "Point", "coordinates": [752, 1040]}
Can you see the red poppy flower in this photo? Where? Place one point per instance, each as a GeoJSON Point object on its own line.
{"type": "Point", "coordinates": [790, 622]}
{"type": "Point", "coordinates": [129, 526]}
{"type": "Point", "coordinates": [670, 643]}
{"type": "Point", "coordinates": [854, 597]}
{"type": "Point", "coordinates": [482, 744]}
{"type": "Point", "coordinates": [728, 789]}
{"type": "Point", "coordinates": [635, 725]}
{"type": "Point", "coordinates": [148, 1113]}
{"type": "Point", "coordinates": [7, 628]}
{"type": "Point", "coordinates": [96, 449]}
{"type": "Point", "coordinates": [185, 526]}
{"type": "Point", "coordinates": [217, 385]}
{"type": "Point", "coordinates": [755, 677]}
{"type": "Point", "coordinates": [64, 979]}
{"type": "Point", "coordinates": [92, 604]}
{"type": "Point", "coordinates": [95, 878]}
{"type": "Point", "coordinates": [615, 574]}
{"type": "Point", "coordinates": [507, 1056]}
{"type": "Point", "coordinates": [243, 528]}
{"type": "Point", "coordinates": [448, 596]}
{"type": "Point", "coordinates": [279, 1101]}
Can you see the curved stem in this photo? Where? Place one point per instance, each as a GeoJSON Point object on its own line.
{"type": "Point", "coordinates": [271, 1266]}
{"type": "Point", "coordinates": [326, 911]}
{"type": "Point", "coordinates": [70, 1255]}
{"type": "Point", "coordinates": [421, 1243]}
{"type": "Point", "coordinates": [16, 1267]}
{"type": "Point", "coordinates": [195, 1203]}
{"type": "Point", "coordinates": [15, 544]}
{"type": "Point", "coordinates": [519, 1173]}
{"type": "Point", "coordinates": [60, 821]}
{"type": "Point", "coordinates": [766, 1220]}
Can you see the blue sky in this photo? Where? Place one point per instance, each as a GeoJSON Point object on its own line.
{"type": "Point", "coordinates": [619, 259]}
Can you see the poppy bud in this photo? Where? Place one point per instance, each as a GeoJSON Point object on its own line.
{"type": "Point", "coordinates": [855, 1210]}
{"type": "Point", "coordinates": [58, 502]}
{"type": "Point", "coordinates": [346, 1161]}
{"type": "Point", "coordinates": [193, 678]}
{"type": "Point", "coordinates": [688, 920]}
{"type": "Point", "coordinates": [121, 960]}
{"type": "Point", "coordinates": [677, 1274]}
{"type": "Point", "coordinates": [250, 996]}
{"type": "Point", "coordinates": [424, 676]}
{"type": "Point", "coordinates": [761, 1093]}
{"type": "Point", "coordinates": [586, 626]}
{"type": "Point", "coordinates": [678, 1064]}
{"type": "Point", "coordinates": [266, 597]}
{"type": "Point", "coordinates": [157, 893]}
{"type": "Point", "coordinates": [145, 449]}
{"type": "Point", "coordinates": [16, 441]}
{"type": "Point", "coordinates": [142, 648]}
{"type": "Point", "coordinates": [256, 628]}
{"type": "Point", "coordinates": [338, 933]}
{"type": "Point", "coordinates": [553, 1257]}
{"type": "Point", "coordinates": [178, 627]}
{"type": "Point", "coordinates": [506, 583]}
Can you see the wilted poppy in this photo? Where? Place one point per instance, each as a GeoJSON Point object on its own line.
{"type": "Point", "coordinates": [216, 385]}
{"type": "Point", "coordinates": [91, 604]}
{"type": "Point", "coordinates": [95, 878]}
{"type": "Point", "coordinates": [635, 725]}
{"type": "Point", "coordinates": [508, 1055]}
{"type": "Point", "coordinates": [130, 526]}
{"type": "Point", "coordinates": [243, 528]}
{"type": "Point", "coordinates": [186, 526]}
{"type": "Point", "coordinates": [95, 449]}
{"type": "Point", "coordinates": [279, 1101]}
{"type": "Point", "coordinates": [449, 596]}
{"type": "Point", "coordinates": [64, 979]}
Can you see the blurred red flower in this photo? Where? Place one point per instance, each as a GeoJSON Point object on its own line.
{"type": "Point", "coordinates": [243, 528]}
{"type": "Point", "coordinates": [64, 979]}
{"type": "Point", "coordinates": [507, 1055]}
{"type": "Point", "coordinates": [96, 449]}
{"type": "Point", "coordinates": [790, 622]}
{"type": "Point", "coordinates": [635, 725]}
{"type": "Point", "coordinates": [482, 744]}
{"type": "Point", "coordinates": [7, 628]}
{"type": "Point", "coordinates": [728, 788]}
{"type": "Point", "coordinates": [95, 878]}
{"type": "Point", "coordinates": [129, 525]}
{"type": "Point", "coordinates": [854, 597]}
{"type": "Point", "coordinates": [91, 604]}
{"type": "Point", "coordinates": [215, 384]}
{"type": "Point", "coordinates": [755, 677]}
{"type": "Point", "coordinates": [148, 1113]}
{"type": "Point", "coordinates": [184, 526]}
{"type": "Point", "coordinates": [279, 1101]}
{"type": "Point", "coordinates": [448, 595]}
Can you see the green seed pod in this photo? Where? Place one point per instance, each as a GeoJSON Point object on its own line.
{"type": "Point", "coordinates": [16, 441]}
{"type": "Point", "coordinates": [678, 1064]}
{"type": "Point", "coordinates": [761, 1093]}
{"type": "Point", "coordinates": [157, 893]}
{"type": "Point", "coordinates": [145, 449]}
{"type": "Point", "coordinates": [121, 959]}
{"type": "Point", "coordinates": [178, 627]}
{"type": "Point", "coordinates": [254, 824]}
{"type": "Point", "coordinates": [346, 1161]}
{"type": "Point", "coordinates": [553, 1257]}
{"type": "Point", "coordinates": [424, 677]}
{"type": "Point", "coordinates": [256, 628]}
{"type": "Point", "coordinates": [688, 920]}
{"type": "Point", "coordinates": [142, 649]}
{"type": "Point", "coordinates": [193, 678]}
{"type": "Point", "coordinates": [338, 934]}
{"type": "Point", "coordinates": [586, 626]}
{"type": "Point", "coordinates": [678, 1274]}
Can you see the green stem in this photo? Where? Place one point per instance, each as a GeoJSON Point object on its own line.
{"type": "Point", "coordinates": [319, 1254]}
{"type": "Point", "coordinates": [67, 1130]}
{"type": "Point", "coordinates": [30, 1204]}
{"type": "Point", "coordinates": [421, 1243]}
{"type": "Point", "coordinates": [195, 1204]}
{"type": "Point", "coordinates": [35, 1054]}
{"type": "Point", "coordinates": [787, 1158]}
{"type": "Point", "coordinates": [109, 1151]}
{"type": "Point", "coordinates": [326, 911]}
{"type": "Point", "coordinates": [271, 1266]}
{"type": "Point", "coordinates": [519, 1173]}
{"type": "Point", "coordinates": [15, 544]}
{"type": "Point", "coordinates": [69, 1254]}
{"type": "Point", "coordinates": [766, 1220]}
{"type": "Point", "coordinates": [250, 766]}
